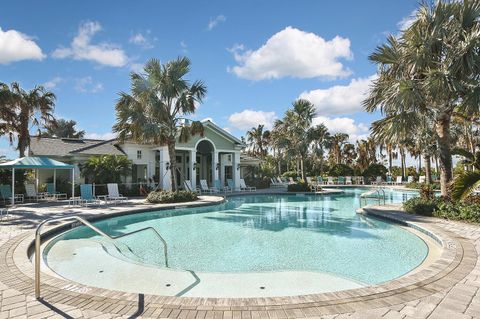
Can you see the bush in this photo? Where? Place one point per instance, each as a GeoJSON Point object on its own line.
{"type": "Point", "coordinates": [421, 206]}
{"type": "Point", "coordinates": [458, 211]}
{"type": "Point", "coordinates": [171, 197]}
{"type": "Point", "coordinates": [298, 187]}
{"type": "Point", "coordinates": [427, 191]}
{"type": "Point", "coordinates": [472, 199]}
{"type": "Point", "coordinates": [416, 185]}
{"type": "Point", "coordinates": [288, 174]}
{"type": "Point", "coordinates": [375, 170]}
{"type": "Point", "coordinates": [340, 170]}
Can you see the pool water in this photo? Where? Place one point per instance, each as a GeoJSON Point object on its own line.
{"type": "Point", "coordinates": [263, 233]}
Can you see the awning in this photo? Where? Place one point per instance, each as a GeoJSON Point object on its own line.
{"type": "Point", "coordinates": [36, 162]}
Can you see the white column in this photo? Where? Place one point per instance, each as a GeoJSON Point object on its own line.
{"type": "Point", "coordinates": [13, 186]}
{"type": "Point", "coordinates": [54, 180]}
{"type": "Point", "coordinates": [215, 171]}
{"type": "Point", "coordinates": [73, 182]}
{"type": "Point", "coordinates": [192, 172]}
{"type": "Point", "coordinates": [222, 168]}
{"type": "Point", "coordinates": [236, 169]}
{"type": "Point", "coordinates": [165, 180]}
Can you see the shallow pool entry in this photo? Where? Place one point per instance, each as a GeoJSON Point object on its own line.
{"type": "Point", "coordinates": [258, 235]}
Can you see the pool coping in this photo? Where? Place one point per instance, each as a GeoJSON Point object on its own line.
{"type": "Point", "coordinates": [456, 261]}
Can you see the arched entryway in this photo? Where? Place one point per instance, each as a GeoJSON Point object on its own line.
{"type": "Point", "coordinates": [205, 151]}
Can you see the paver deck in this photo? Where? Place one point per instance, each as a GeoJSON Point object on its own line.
{"type": "Point", "coordinates": [449, 288]}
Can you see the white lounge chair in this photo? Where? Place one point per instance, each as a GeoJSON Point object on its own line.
{"type": "Point", "coordinates": [399, 180]}
{"type": "Point", "coordinates": [276, 184]}
{"type": "Point", "coordinates": [309, 180]}
{"type": "Point", "coordinates": [243, 186]}
{"type": "Point", "coordinates": [360, 180]}
{"type": "Point", "coordinates": [291, 180]}
{"type": "Point", "coordinates": [348, 180]}
{"type": "Point", "coordinates": [421, 179]}
{"type": "Point", "coordinates": [205, 189]}
{"type": "Point", "coordinates": [410, 179]}
{"type": "Point", "coordinates": [31, 193]}
{"type": "Point", "coordinates": [330, 180]}
{"type": "Point", "coordinates": [187, 184]}
{"type": "Point", "coordinates": [378, 181]}
{"type": "Point", "coordinates": [114, 195]}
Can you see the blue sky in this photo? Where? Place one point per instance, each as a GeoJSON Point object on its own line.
{"type": "Point", "coordinates": [256, 57]}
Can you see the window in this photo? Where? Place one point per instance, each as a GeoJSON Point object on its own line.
{"type": "Point", "coordinates": [139, 154]}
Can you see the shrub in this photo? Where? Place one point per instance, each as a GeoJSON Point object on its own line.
{"type": "Point", "coordinates": [472, 199]}
{"type": "Point", "coordinates": [416, 185]}
{"type": "Point", "coordinates": [298, 187]}
{"type": "Point", "coordinates": [375, 170]}
{"type": "Point", "coordinates": [341, 170]}
{"type": "Point", "coordinates": [427, 191]}
{"type": "Point", "coordinates": [171, 197]}
{"type": "Point", "coordinates": [458, 211]}
{"type": "Point", "coordinates": [421, 206]}
{"type": "Point", "coordinates": [288, 174]}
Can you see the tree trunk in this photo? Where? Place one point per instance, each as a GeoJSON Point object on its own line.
{"type": "Point", "coordinates": [402, 161]}
{"type": "Point", "coordinates": [390, 158]}
{"type": "Point", "coordinates": [173, 165]}
{"type": "Point", "coordinates": [419, 164]}
{"type": "Point", "coordinates": [302, 168]}
{"type": "Point", "coordinates": [442, 127]}
{"type": "Point", "coordinates": [428, 169]}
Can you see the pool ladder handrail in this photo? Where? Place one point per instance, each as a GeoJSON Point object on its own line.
{"type": "Point", "coordinates": [38, 243]}
{"type": "Point", "coordinates": [379, 191]}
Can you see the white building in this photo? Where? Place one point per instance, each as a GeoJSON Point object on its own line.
{"type": "Point", "coordinates": [214, 156]}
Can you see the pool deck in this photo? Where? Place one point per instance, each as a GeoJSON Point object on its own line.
{"type": "Point", "coordinates": [449, 288]}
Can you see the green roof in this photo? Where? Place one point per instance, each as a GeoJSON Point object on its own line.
{"type": "Point", "coordinates": [35, 162]}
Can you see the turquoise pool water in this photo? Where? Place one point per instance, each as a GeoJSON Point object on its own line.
{"type": "Point", "coordinates": [264, 233]}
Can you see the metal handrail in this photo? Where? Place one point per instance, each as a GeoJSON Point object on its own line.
{"type": "Point", "coordinates": [95, 229]}
{"type": "Point", "coordinates": [376, 191]}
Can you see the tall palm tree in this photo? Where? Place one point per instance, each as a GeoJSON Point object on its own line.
{"type": "Point", "coordinates": [63, 128]}
{"type": "Point", "coordinates": [21, 110]}
{"type": "Point", "coordinates": [154, 110]}
{"type": "Point", "coordinates": [335, 144]}
{"type": "Point", "coordinates": [258, 139]}
{"type": "Point", "coordinates": [432, 69]}
{"type": "Point", "coordinates": [319, 135]}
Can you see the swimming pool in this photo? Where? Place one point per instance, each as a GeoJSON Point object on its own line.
{"type": "Point", "coordinates": [250, 234]}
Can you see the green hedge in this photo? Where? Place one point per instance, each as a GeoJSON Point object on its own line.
{"type": "Point", "coordinates": [298, 187]}
{"type": "Point", "coordinates": [438, 207]}
{"type": "Point", "coordinates": [171, 197]}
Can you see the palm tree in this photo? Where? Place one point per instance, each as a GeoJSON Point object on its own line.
{"type": "Point", "coordinates": [465, 183]}
{"type": "Point", "coordinates": [318, 135]}
{"type": "Point", "coordinates": [20, 110]}
{"type": "Point", "coordinates": [106, 168]}
{"type": "Point", "coordinates": [335, 143]}
{"type": "Point", "coordinates": [154, 111]}
{"type": "Point", "coordinates": [432, 69]}
{"type": "Point", "coordinates": [64, 129]}
{"type": "Point", "coordinates": [258, 140]}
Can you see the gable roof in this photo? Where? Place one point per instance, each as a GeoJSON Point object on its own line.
{"type": "Point", "coordinates": [47, 146]}
{"type": "Point", "coordinates": [222, 132]}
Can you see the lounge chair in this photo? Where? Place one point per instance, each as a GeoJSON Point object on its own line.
{"type": "Point", "coordinates": [187, 184]}
{"type": "Point", "coordinates": [378, 181]}
{"type": "Point", "coordinates": [421, 180]}
{"type": "Point", "coordinates": [86, 195]}
{"type": "Point", "coordinates": [291, 180]}
{"type": "Point", "coordinates": [243, 186]}
{"type": "Point", "coordinates": [410, 179]}
{"type": "Point", "coordinates": [341, 180]}
{"type": "Point", "coordinates": [399, 180]}
{"type": "Point", "coordinates": [218, 185]}
{"type": "Point", "coordinates": [309, 180]}
{"type": "Point", "coordinates": [113, 193]}
{"type": "Point", "coordinates": [320, 180]}
{"type": "Point", "coordinates": [205, 189]}
{"type": "Point", "coordinates": [330, 180]}
{"type": "Point", "coordinates": [51, 192]}
{"type": "Point", "coordinates": [389, 180]}
{"type": "Point", "coordinates": [6, 192]}
{"type": "Point", "coordinates": [232, 185]}
{"type": "Point", "coordinates": [31, 193]}
{"type": "Point", "coordinates": [360, 180]}
{"type": "Point", "coordinates": [282, 182]}
{"type": "Point", "coordinates": [348, 180]}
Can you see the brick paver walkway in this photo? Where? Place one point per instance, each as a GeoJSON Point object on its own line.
{"type": "Point", "coordinates": [449, 289]}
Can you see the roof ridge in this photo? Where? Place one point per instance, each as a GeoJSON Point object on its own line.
{"type": "Point", "coordinates": [101, 142]}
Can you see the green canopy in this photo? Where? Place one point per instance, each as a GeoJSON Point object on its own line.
{"type": "Point", "coordinates": [37, 162]}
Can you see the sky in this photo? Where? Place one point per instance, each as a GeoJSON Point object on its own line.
{"type": "Point", "coordinates": [255, 57]}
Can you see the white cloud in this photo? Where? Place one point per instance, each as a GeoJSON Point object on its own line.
{"type": "Point", "coordinates": [81, 48]}
{"type": "Point", "coordinates": [143, 40]}
{"type": "Point", "coordinates": [53, 83]}
{"type": "Point", "coordinates": [295, 53]}
{"type": "Point", "coordinates": [407, 21]}
{"type": "Point", "coordinates": [184, 46]}
{"type": "Point", "coordinates": [216, 21]}
{"type": "Point", "coordinates": [101, 136]}
{"type": "Point", "coordinates": [340, 99]}
{"type": "Point", "coordinates": [356, 131]}
{"type": "Point", "coordinates": [16, 46]}
{"type": "Point", "coordinates": [87, 85]}
{"type": "Point", "coordinates": [247, 119]}
{"type": "Point", "coordinates": [136, 67]}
